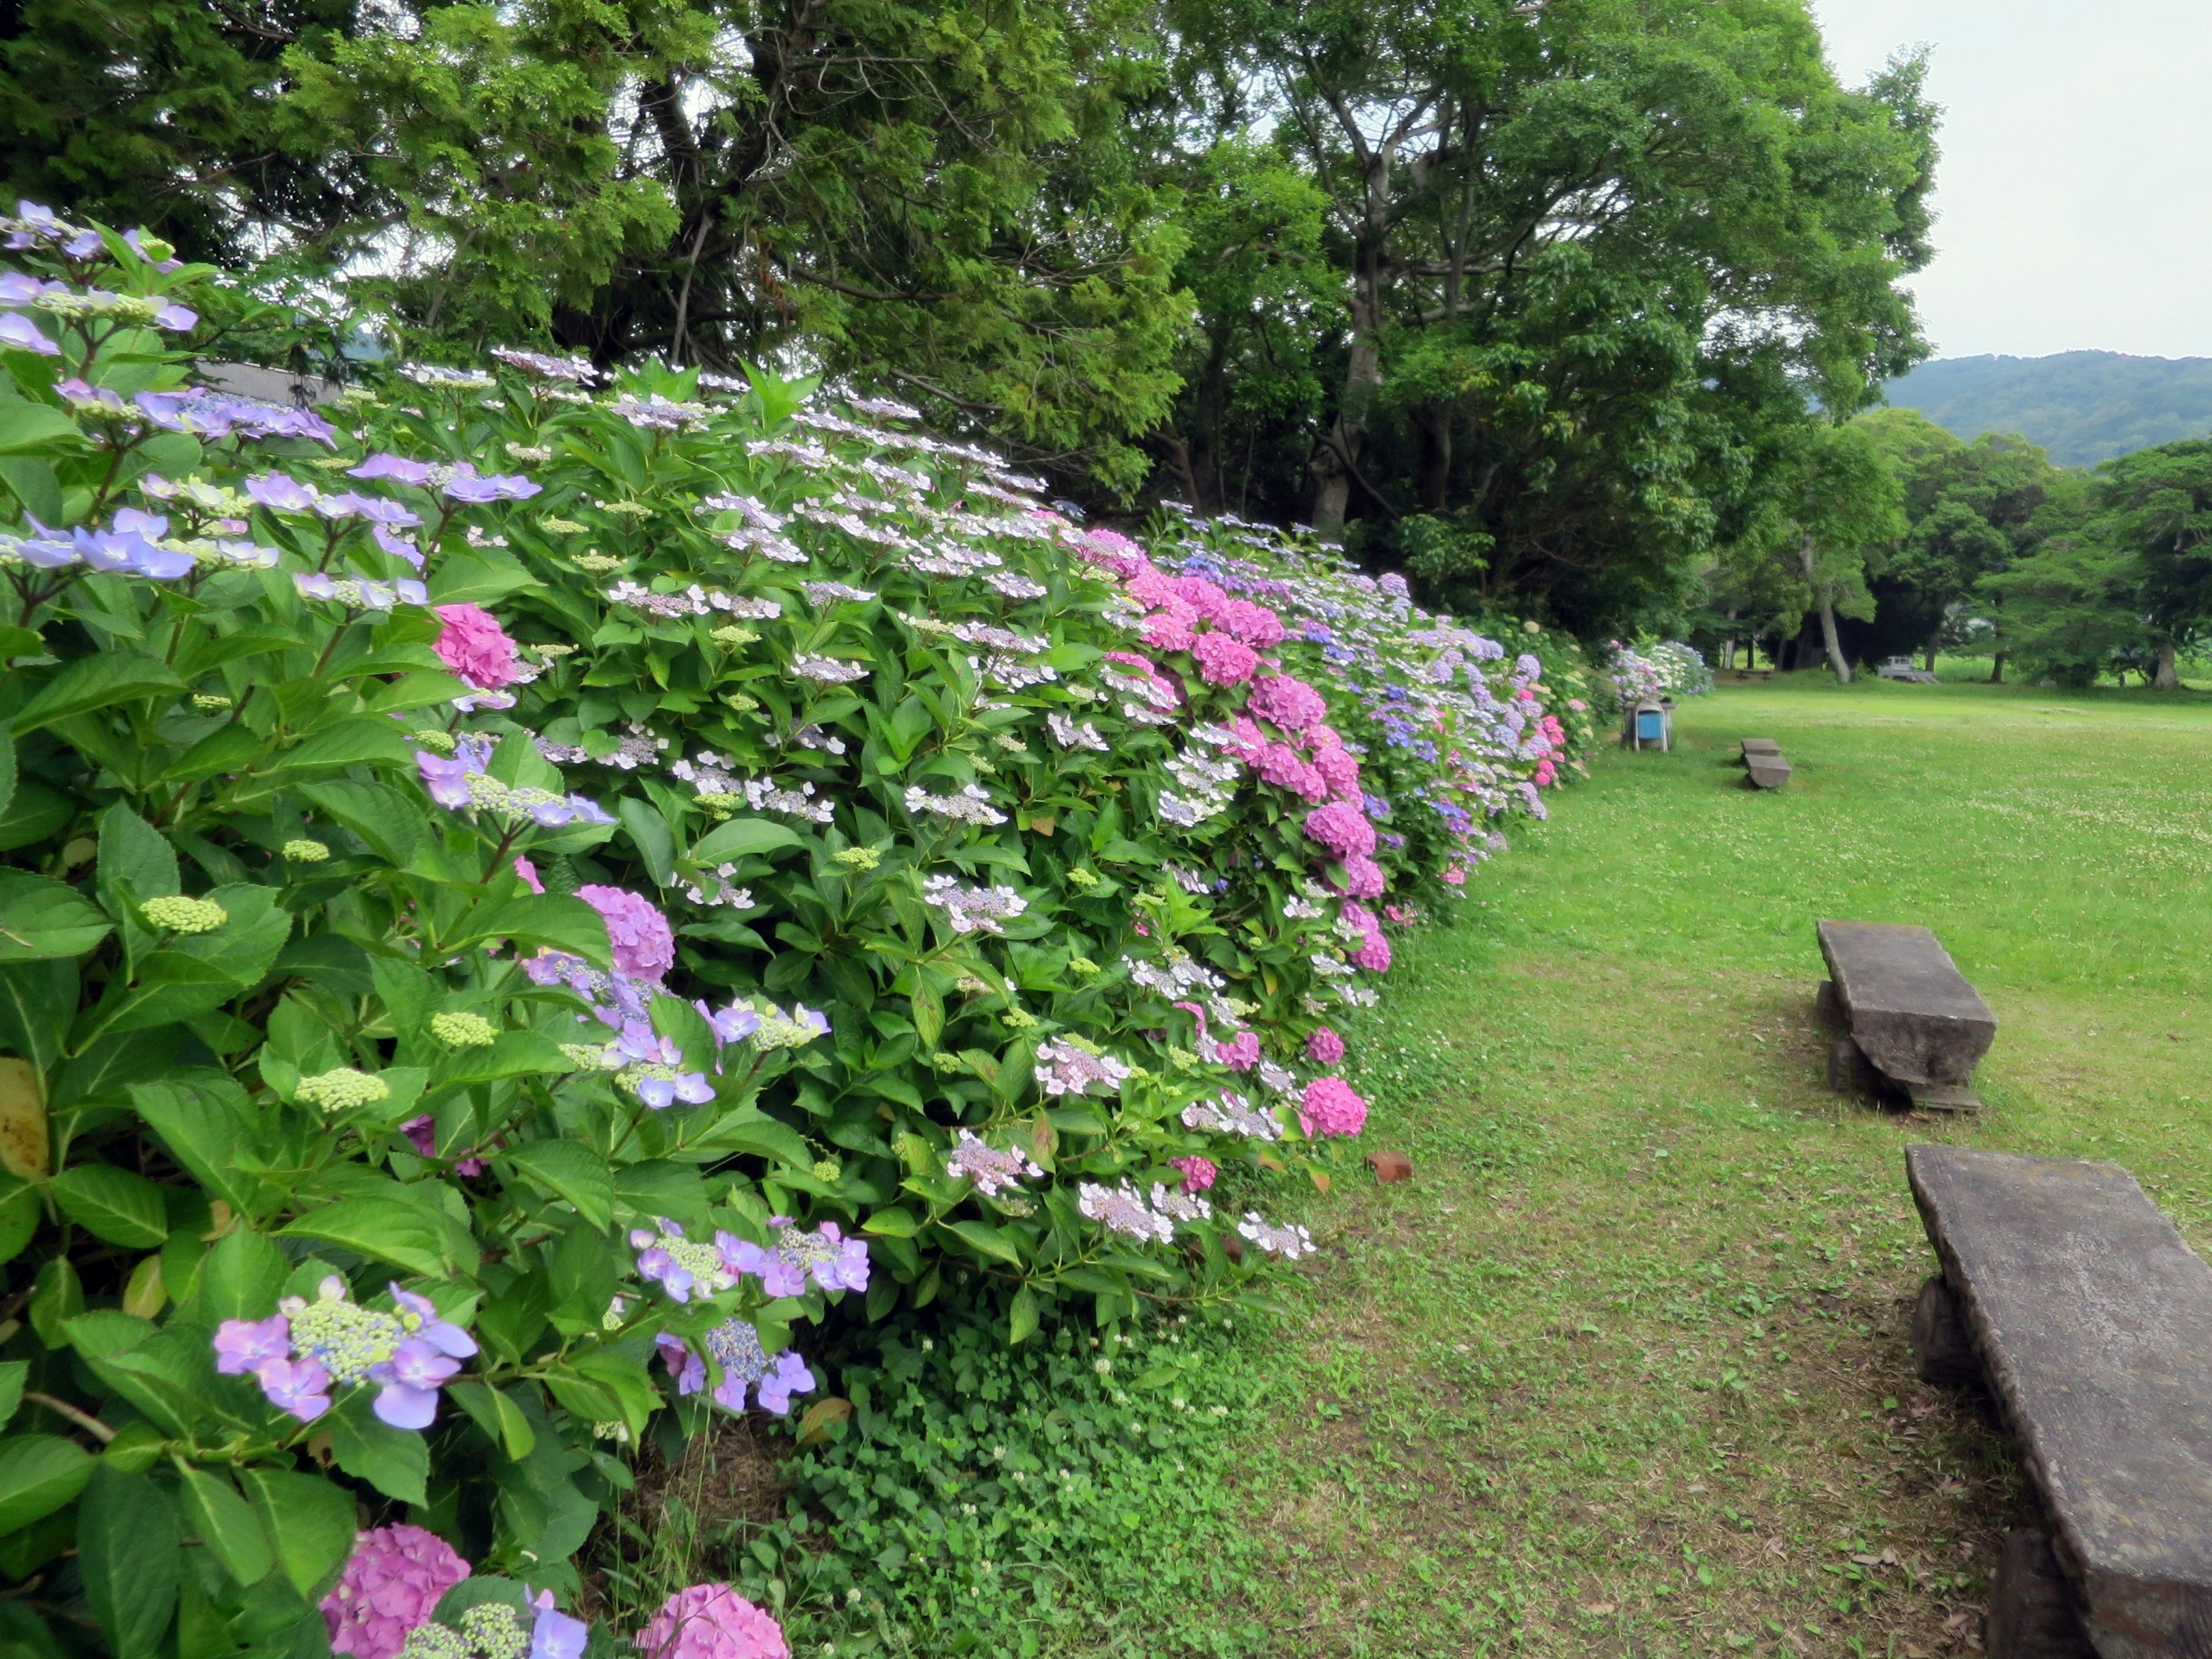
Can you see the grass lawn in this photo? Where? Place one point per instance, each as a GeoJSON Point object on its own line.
{"type": "Point", "coordinates": [1624, 1369]}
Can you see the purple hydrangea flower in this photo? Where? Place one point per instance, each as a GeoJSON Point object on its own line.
{"type": "Point", "coordinates": [242, 1347]}
{"type": "Point", "coordinates": [489, 487]}
{"type": "Point", "coordinates": [176, 318]}
{"type": "Point", "coordinates": [301, 1387]}
{"type": "Point", "coordinates": [410, 1380]}
{"type": "Point", "coordinates": [282, 494]}
{"type": "Point", "coordinates": [555, 1635]}
{"type": "Point", "coordinates": [19, 333]}
{"type": "Point", "coordinates": [391, 466]}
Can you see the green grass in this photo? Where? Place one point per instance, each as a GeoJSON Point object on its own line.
{"type": "Point", "coordinates": [1623, 1369]}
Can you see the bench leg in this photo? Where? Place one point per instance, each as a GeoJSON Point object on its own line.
{"type": "Point", "coordinates": [1849, 1071]}
{"type": "Point", "coordinates": [2032, 1615]}
{"type": "Point", "coordinates": [1828, 1006]}
{"type": "Point", "coordinates": [1942, 1353]}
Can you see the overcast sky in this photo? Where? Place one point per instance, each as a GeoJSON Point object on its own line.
{"type": "Point", "coordinates": [2073, 201]}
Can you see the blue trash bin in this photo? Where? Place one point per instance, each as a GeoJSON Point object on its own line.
{"type": "Point", "coordinates": [1650, 726]}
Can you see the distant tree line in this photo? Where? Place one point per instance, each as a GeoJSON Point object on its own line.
{"type": "Point", "coordinates": [1552, 305]}
{"type": "Point", "coordinates": [1909, 541]}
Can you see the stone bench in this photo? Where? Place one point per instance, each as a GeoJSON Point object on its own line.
{"type": "Point", "coordinates": [2076, 1301]}
{"type": "Point", "coordinates": [1763, 764]}
{"type": "Point", "coordinates": [1755, 746]}
{"type": "Point", "coordinates": [1914, 1021]}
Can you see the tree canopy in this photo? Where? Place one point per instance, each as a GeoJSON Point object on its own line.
{"type": "Point", "coordinates": [1514, 296]}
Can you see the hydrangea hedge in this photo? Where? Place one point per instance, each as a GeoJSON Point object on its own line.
{"type": "Point", "coordinates": [531, 909]}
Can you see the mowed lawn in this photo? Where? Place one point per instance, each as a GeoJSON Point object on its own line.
{"type": "Point", "coordinates": [1624, 1369]}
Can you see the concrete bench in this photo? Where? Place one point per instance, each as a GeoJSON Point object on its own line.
{"type": "Point", "coordinates": [2066, 1291]}
{"type": "Point", "coordinates": [1914, 1021]}
{"type": "Point", "coordinates": [1756, 746]}
{"type": "Point", "coordinates": [1766, 771]}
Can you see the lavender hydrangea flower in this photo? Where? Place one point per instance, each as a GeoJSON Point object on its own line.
{"type": "Point", "coordinates": [735, 1346]}
{"type": "Point", "coordinates": [242, 1347]}
{"type": "Point", "coordinates": [554, 1634]}
{"type": "Point", "coordinates": [19, 333]}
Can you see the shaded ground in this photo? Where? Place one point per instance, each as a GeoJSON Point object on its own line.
{"type": "Point", "coordinates": [1624, 1370]}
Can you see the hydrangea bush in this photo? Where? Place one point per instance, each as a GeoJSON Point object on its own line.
{"type": "Point", "coordinates": [532, 907]}
{"type": "Point", "coordinates": [1669, 669]}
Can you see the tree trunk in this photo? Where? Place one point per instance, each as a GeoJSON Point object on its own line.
{"type": "Point", "coordinates": [2169, 679]}
{"type": "Point", "coordinates": [1933, 640]}
{"type": "Point", "coordinates": [1339, 453]}
{"type": "Point", "coordinates": [1832, 644]}
{"type": "Point", "coordinates": [1433, 423]}
{"type": "Point", "coordinates": [1997, 668]}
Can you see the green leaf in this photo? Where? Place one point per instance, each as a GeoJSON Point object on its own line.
{"type": "Point", "coordinates": [200, 972]}
{"type": "Point", "coordinates": [650, 835]}
{"type": "Point", "coordinates": [892, 1223]}
{"type": "Point", "coordinates": [308, 1522]}
{"type": "Point", "coordinates": [478, 577]}
{"type": "Point", "coordinates": [243, 1276]}
{"type": "Point", "coordinates": [98, 681]}
{"type": "Point", "coordinates": [226, 749]}
{"type": "Point", "coordinates": [25, 426]}
{"type": "Point", "coordinates": [20, 1215]}
{"type": "Point", "coordinates": [393, 1460]}
{"type": "Point", "coordinates": [114, 1205]}
{"type": "Point", "coordinates": [660, 1187]}
{"type": "Point", "coordinates": [497, 1416]}
{"type": "Point", "coordinates": [127, 1540]}
{"type": "Point", "coordinates": [12, 1374]}
{"type": "Point", "coordinates": [928, 1015]}
{"type": "Point", "coordinates": [38, 1473]}
{"type": "Point", "coordinates": [37, 1001]}
{"type": "Point", "coordinates": [35, 813]}
{"type": "Point", "coordinates": [33, 482]}
{"type": "Point", "coordinates": [42, 919]}
{"type": "Point", "coordinates": [988, 1239]}
{"type": "Point", "coordinates": [225, 1522]}
{"type": "Point", "coordinates": [512, 1054]}
{"type": "Point", "coordinates": [8, 763]}
{"type": "Point", "coordinates": [1022, 1317]}
{"type": "Point", "coordinates": [348, 743]}
{"type": "Point", "coordinates": [385, 818]}
{"type": "Point", "coordinates": [569, 1170]}
{"type": "Point", "coordinates": [734, 839]}
{"type": "Point", "coordinates": [170, 1376]}
{"type": "Point", "coordinates": [203, 1118]}
{"type": "Point", "coordinates": [382, 1228]}
{"type": "Point", "coordinates": [565, 924]}
{"type": "Point", "coordinates": [133, 852]}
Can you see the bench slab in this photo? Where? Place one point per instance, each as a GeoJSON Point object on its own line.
{"type": "Point", "coordinates": [1908, 1006]}
{"type": "Point", "coordinates": [1760, 746]}
{"type": "Point", "coordinates": [2093, 1321]}
{"type": "Point", "coordinates": [1766, 771]}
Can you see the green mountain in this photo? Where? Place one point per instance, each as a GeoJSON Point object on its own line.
{"type": "Point", "coordinates": [2082, 407]}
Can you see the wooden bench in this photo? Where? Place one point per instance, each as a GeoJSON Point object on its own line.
{"type": "Point", "coordinates": [2066, 1291]}
{"type": "Point", "coordinates": [1914, 1021]}
{"type": "Point", "coordinates": [1901, 668]}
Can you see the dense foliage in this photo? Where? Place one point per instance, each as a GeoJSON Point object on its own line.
{"type": "Point", "coordinates": [1522, 296]}
{"type": "Point", "coordinates": [495, 964]}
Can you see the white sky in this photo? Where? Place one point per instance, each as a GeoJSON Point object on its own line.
{"type": "Point", "coordinates": [2074, 200]}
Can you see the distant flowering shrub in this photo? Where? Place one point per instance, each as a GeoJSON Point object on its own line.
{"type": "Point", "coordinates": [495, 963]}
{"type": "Point", "coordinates": [1668, 669]}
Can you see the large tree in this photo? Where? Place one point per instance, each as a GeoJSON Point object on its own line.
{"type": "Point", "coordinates": [1584, 246]}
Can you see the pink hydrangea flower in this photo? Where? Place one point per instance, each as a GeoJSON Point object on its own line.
{"type": "Point", "coordinates": [711, 1621]}
{"type": "Point", "coordinates": [1255, 624]}
{"type": "Point", "coordinates": [1339, 769]}
{"type": "Point", "coordinates": [1198, 1173]}
{"type": "Point", "coordinates": [1330, 1107]}
{"type": "Point", "coordinates": [1223, 661]}
{"type": "Point", "coordinates": [1289, 703]}
{"type": "Point", "coordinates": [1173, 628]}
{"type": "Point", "coordinates": [644, 946]}
{"type": "Point", "coordinates": [1374, 955]}
{"type": "Point", "coordinates": [1455, 876]}
{"type": "Point", "coordinates": [1363, 877]}
{"type": "Point", "coordinates": [1279, 764]}
{"type": "Point", "coordinates": [1324, 1048]}
{"type": "Point", "coordinates": [1152, 586]}
{"type": "Point", "coordinates": [1202, 596]}
{"type": "Point", "coordinates": [474, 646]}
{"type": "Point", "coordinates": [1342, 827]}
{"type": "Point", "coordinates": [1241, 1053]}
{"type": "Point", "coordinates": [1145, 666]}
{"type": "Point", "coordinates": [528, 871]}
{"type": "Point", "coordinates": [392, 1583]}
